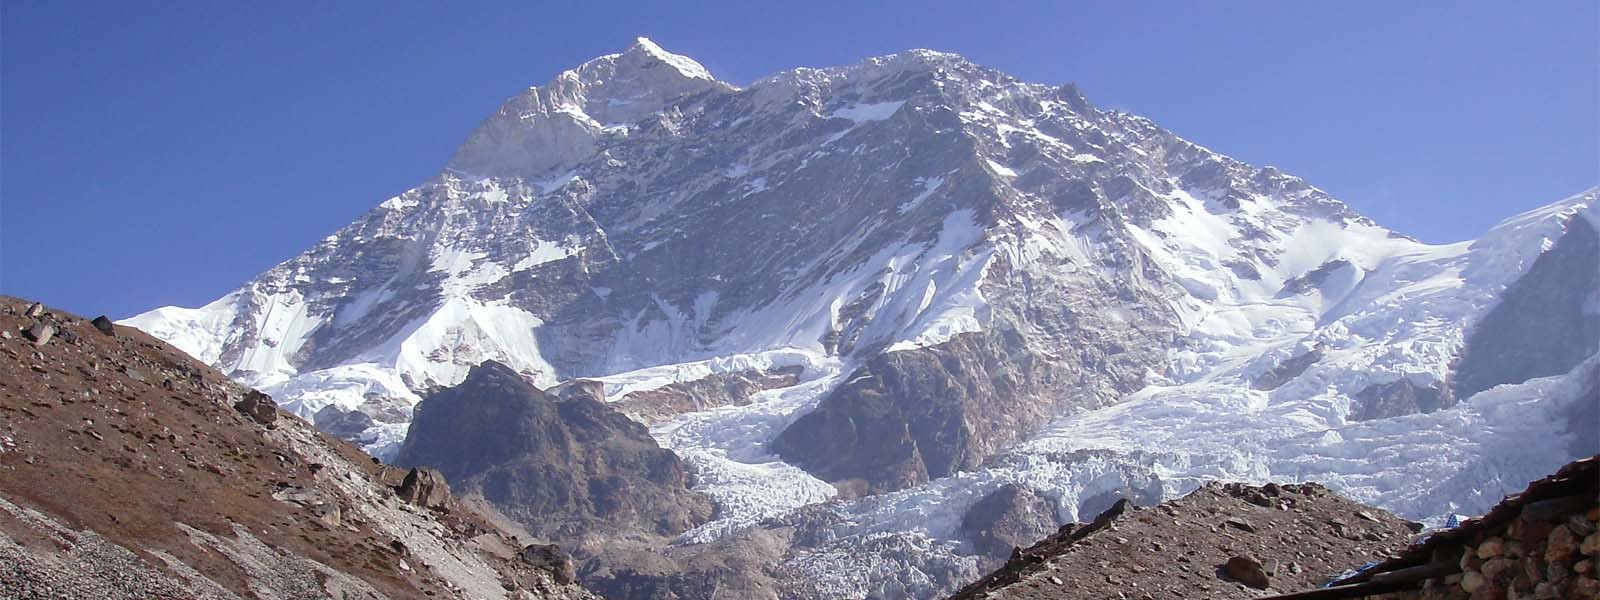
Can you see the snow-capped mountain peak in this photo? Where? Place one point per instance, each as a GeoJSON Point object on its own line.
{"type": "Point", "coordinates": [643, 50]}
{"type": "Point", "coordinates": [914, 279]}
{"type": "Point", "coordinates": [551, 127]}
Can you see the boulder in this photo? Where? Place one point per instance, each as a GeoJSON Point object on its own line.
{"type": "Point", "coordinates": [1240, 524]}
{"type": "Point", "coordinates": [1247, 570]}
{"type": "Point", "coordinates": [425, 487]}
{"type": "Point", "coordinates": [259, 407]}
{"type": "Point", "coordinates": [550, 558]}
{"type": "Point", "coordinates": [40, 333]}
{"type": "Point", "coordinates": [104, 325]}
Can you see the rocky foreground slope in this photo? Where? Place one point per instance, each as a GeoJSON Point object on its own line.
{"type": "Point", "coordinates": [1220, 541]}
{"type": "Point", "coordinates": [129, 470]}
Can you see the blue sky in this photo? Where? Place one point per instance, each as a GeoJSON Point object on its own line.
{"type": "Point", "coordinates": [157, 153]}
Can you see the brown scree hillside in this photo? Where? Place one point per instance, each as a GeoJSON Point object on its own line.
{"type": "Point", "coordinates": [129, 470]}
{"type": "Point", "coordinates": [1221, 541]}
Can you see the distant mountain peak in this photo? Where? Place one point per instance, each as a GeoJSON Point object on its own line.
{"type": "Point", "coordinates": [554, 126]}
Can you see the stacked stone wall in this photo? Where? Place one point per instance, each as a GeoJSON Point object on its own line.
{"type": "Point", "coordinates": [1536, 556]}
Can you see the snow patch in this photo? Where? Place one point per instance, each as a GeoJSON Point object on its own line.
{"type": "Point", "coordinates": [929, 186]}
{"type": "Point", "coordinates": [683, 64]}
{"type": "Point", "coordinates": [999, 168]}
{"type": "Point", "coordinates": [864, 113]}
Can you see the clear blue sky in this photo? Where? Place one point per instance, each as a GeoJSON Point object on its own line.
{"type": "Point", "coordinates": [158, 153]}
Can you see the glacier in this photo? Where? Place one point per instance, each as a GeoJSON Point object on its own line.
{"type": "Point", "coordinates": [638, 222]}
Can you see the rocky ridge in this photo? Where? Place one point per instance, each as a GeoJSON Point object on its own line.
{"type": "Point", "coordinates": [129, 470]}
{"type": "Point", "coordinates": [1220, 541]}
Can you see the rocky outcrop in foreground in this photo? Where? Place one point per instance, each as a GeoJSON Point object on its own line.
{"type": "Point", "coordinates": [130, 471]}
{"type": "Point", "coordinates": [1221, 541]}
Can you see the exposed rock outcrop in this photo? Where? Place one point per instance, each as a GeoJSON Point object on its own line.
{"type": "Point", "coordinates": [1009, 517]}
{"type": "Point", "coordinates": [551, 558]}
{"type": "Point", "coordinates": [1400, 397]}
{"type": "Point", "coordinates": [1546, 323]}
{"type": "Point", "coordinates": [1288, 369]}
{"type": "Point", "coordinates": [1314, 279]}
{"type": "Point", "coordinates": [566, 468]}
{"type": "Point", "coordinates": [719, 389]}
{"type": "Point", "coordinates": [910, 416]}
{"type": "Point", "coordinates": [345, 425]}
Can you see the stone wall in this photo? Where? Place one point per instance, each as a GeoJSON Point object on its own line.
{"type": "Point", "coordinates": [1534, 557]}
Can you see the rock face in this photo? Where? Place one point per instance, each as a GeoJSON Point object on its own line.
{"type": "Point", "coordinates": [343, 424]}
{"type": "Point", "coordinates": [1009, 517]}
{"type": "Point", "coordinates": [1546, 323]}
{"type": "Point", "coordinates": [720, 389]}
{"type": "Point", "coordinates": [538, 131]}
{"type": "Point", "coordinates": [1288, 370]}
{"type": "Point", "coordinates": [1585, 439]}
{"type": "Point", "coordinates": [907, 417]}
{"type": "Point", "coordinates": [1399, 398]}
{"type": "Point", "coordinates": [129, 475]}
{"type": "Point", "coordinates": [563, 468]}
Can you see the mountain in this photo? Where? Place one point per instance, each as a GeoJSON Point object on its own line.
{"type": "Point", "coordinates": [895, 287]}
{"type": "Point", "coordinates": [132, 471]}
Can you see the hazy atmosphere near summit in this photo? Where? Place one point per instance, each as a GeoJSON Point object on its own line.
{"type": "Point", "coordinates": [798, 301]}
